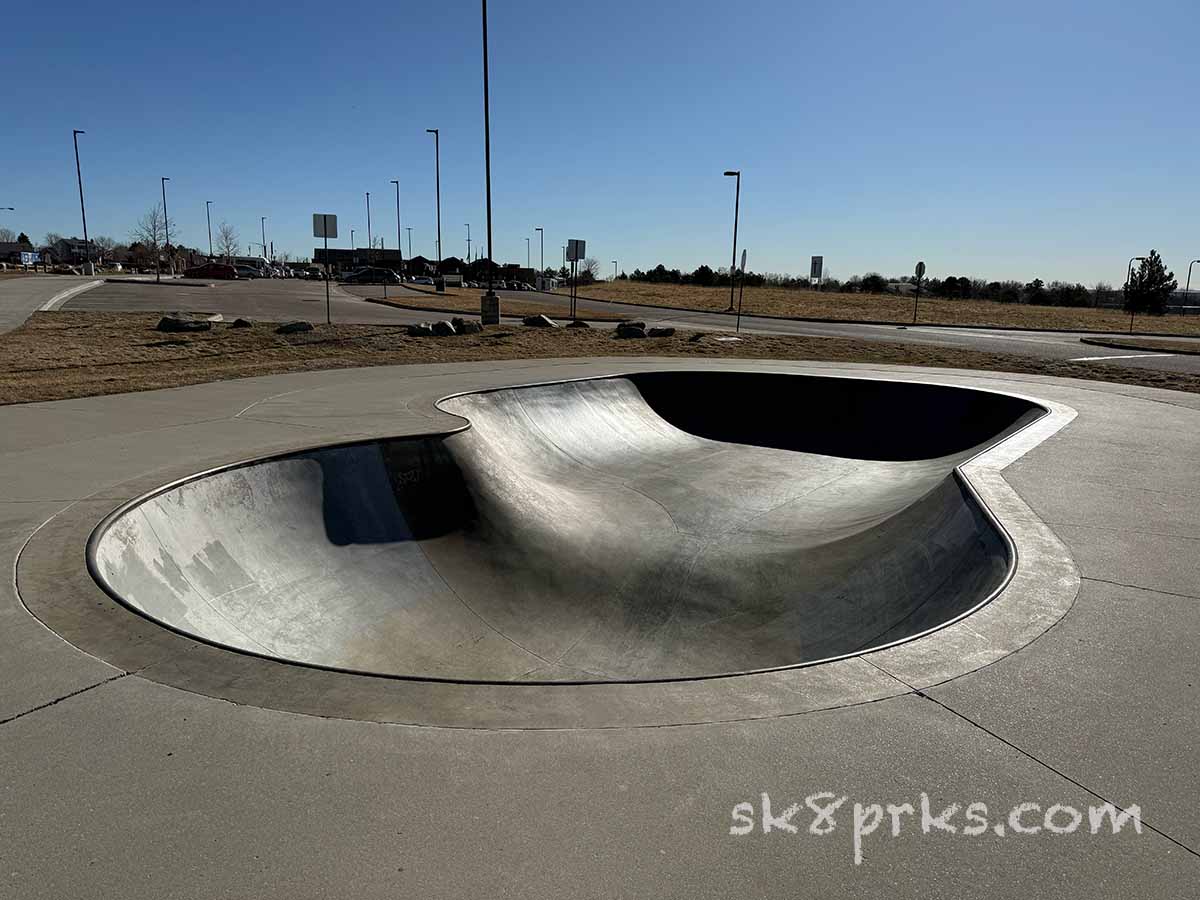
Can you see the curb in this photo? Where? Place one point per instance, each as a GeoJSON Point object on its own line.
{"type": "Point", "coordinates": [1130, 345]}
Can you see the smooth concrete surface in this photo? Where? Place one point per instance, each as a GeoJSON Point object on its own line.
{"type": "Point", "coordinates": [575, 532]}
{"type": "Point", "coordinates": [116, 783]}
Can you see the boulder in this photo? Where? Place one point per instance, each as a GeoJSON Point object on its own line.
{"type": "Point", "coordinates": [578, 323]}
{"type": "Point", "coordinates": [633, 323]}
{"type": "Point", "coordinates": [443, 329]}
{"type": "Point", "coordinates": [240, 323]}
{"type": "Point", "coordinates": [424, 329]}
{"type": "Point", "coordinates": [468, 326]}
{"type": "Point", "coordinates": [660, 332]}
{"type": "Point", "coordinates": [182, 322]}
{"type": "Point", "coordinates": [294, 327]}
{"type": "Point", "coordinates": [539, 322]}
{"type": "Point", "coordinates": [631, 330]}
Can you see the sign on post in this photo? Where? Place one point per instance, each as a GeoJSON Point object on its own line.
{"type": "Point", "coordinates": [818, 264]}
{"type": "Point", "coordinates": [576, 250]}
{"type": "Point", "coordinates": [920, 270]}
{"type": "Point", "coordinates": [324, 225]}
{"type": "Point", "coordinates": [743, 262]}
{"type": "Point", "coordinates": [29, 259]}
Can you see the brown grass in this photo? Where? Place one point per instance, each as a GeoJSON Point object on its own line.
{"type": "Point", "coordinates": [59, 355]}
{"type": "Point", "coordinates": [773, 301]}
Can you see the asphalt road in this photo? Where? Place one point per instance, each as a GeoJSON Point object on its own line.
{"type": "Point", "coordinates": [276, 300]}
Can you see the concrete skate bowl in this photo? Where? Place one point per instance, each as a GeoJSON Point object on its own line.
{"type": "Point", "coordinates": [649, 527]}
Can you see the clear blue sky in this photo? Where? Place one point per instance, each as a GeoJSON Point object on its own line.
{"type": "Point", "coordinates": [1019, 139]}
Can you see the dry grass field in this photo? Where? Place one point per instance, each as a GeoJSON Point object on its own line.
{"type": "Point", "coordinates": [58, 355]}
{"type": "Point", "coordinates": [772, 301]}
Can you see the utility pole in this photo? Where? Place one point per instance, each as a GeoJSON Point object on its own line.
{"type": "Point", "coordinates": [87, 248]}
{"type": "Point", "coordinates": [437, 169]}
{"type": "Point", "coordinates": [208, 216]}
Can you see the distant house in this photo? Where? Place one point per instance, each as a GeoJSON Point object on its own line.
{"type": "Point", "coordinates": [72, 250]}
{"type": "Point", "coordinates": [10, 251]}
{"type": "Point", "coordinates": [419, 265]}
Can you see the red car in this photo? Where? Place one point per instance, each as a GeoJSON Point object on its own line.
{"type": "Point", "coordinates": [210, 270]}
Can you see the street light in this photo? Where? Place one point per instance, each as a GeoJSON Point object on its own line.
{"type": "Point", "coordinates": [352, 242]}
{"type": "Point", "coordinates": [527, 264]}
{"type": "Point", "coordinates": [489, 306]}
{"type": "Point", "coordinates": [208, 216]}
{"type": "Point", "coordinates": [614, 270]}
{"type": "Point", "coordinates": [87, 248]}
{"type": "Point", "coordinates": [468, 224]}
{"type": "Point", "coordinates": [542, 242]}
{"type": "Point", "coordinates": [1189, 280]}
{"type": "Point", "coordinates": [437, 169]}
{"type": "Point", "coordinates": [408, 228]}
{"type": "Point", "coordinates": [370, 243]}
{"type": "Point", "coordinates": [166, 231]}
{"type": "Point", "coordinates": [264, 234]}
{"type": "Point", "coordinates": [399, 245]}
{"type": "Point", "coordinates": [1128, 276]}
{"type": "Point", "coordinates": [737, 200]}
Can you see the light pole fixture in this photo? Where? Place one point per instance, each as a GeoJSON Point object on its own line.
{"type": "Point", "coordinates": [528, 265]}
{"type": "Point", "coordinates": [208, 216]}
{"type": "Point", "coordinates": [1128, 277]}
{"type": "Point", "coordinates": [468, 224]}
{"type": "Point", "coordinates": [408, 228]}
{"type": "Point", "coordinates": [370, 243]}
{"type": "Point", "coordinates": [614, 270]}
{"type": "Point", "coordinates": [737, 200]}
{"type": "Point", "coordinates": [437, 174]}
{"type": "Point", "coordinates": [352, 240]}
{"type": "Point", "coordinates": [399, 245]}
{"type": "Point", "coordinates": [166, 229]}
{"type": "Point", "coordinates": [542, 243]}
{"type": "Point", "coordinates": [87, 248]}
{"type": "Point", "coordinates": [1189, 279]}
{"type": "Point", "coordinates": [263, 222]}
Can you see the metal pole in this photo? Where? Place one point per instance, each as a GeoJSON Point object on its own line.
{"type": "Point", "coordinates": [468, 224]}
{"type": "Point", "coordinates": [487, 151]}
{"type": "Point", "coordinates": [87, 248]}
{"type": "Point", "coordinates": [370, 243]}
{"type": "Point", "coordinates": [542, 242]}
{"type": "Point", "coordinates": [737, 200]}
{"type": "Point", "coordinates": [1128, 276]}
{"type": "Point", "coordinates": [166, 224]}
{"type": "Point", "coordinates": [264, 233]}
{"type": "Point", "coordinates": [614, 270]}
{"type": "Point", "coordinates": [1189, 282]}
{"type": "Point", "coordinates": [399, 244]}
{"type": "Point", "coordinates": [408, 228]}
{"type": "Point", "coordinates": [916, 299]}
{"type": "Point", "coordinates": [437, 168]}
{"type": "Point", "coordinates": [328, 320]}
{"type": "Point", "coordinates": [208, 216]}
{"type": "Point", "coordinates": [528, 264]}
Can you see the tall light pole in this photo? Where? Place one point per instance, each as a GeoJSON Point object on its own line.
{"type": "Point", "coordinates": [437, 171]}
{"type": "Point", "coordinates": [352, 240]}
{"type": "Point", "coordinates": [614, 270]}
{"type": "Point", "coordinates": [737, 200]}
{"type": "Point", "coordinates": [1189, 279]}
{"type": "Point", "coordinates": [87, 248]}
{"type": "Point", "coordinates": [263, 222]}
{"type": "Point", "coordinates": [399, 245]}
{"type": "Point", "coordinates": [166, 229]}
{"type": "Point", "coordinates": [490, 303]}
{"type": "Point", "coordinates": [527, 262]}
{"type": "Point", "coordinates": [564, 265]}
{"type": "Point", "coordinates": [408, 228]}
{"type": "Point", "coordinates": [370, 243]}
{"type": "Point", "coordinates": [468, 224]}
{"type": "Point", "coordinates": [1128, 277]}
{"type": "Point", "coordinates": [208, 216]}
{"type": "Point", "coordinates": [542, 243]}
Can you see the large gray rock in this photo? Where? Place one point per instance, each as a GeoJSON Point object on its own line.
{"type": "Point", "coordinates": [423, 329]}
{"type": "Point", "coordinates": [444, 329]}
{"type": "Point", "coordinates": [294, 327]}
{"type": "Point", "coordinates": [240, 323]}
{"type": "Point", "coordinates": [660, 332]}
{"type": "Point", "coordinates": [466, 326]}
{"type": "Point", "coordinates": [578, 323]}
{"type": "Point", "coordinates": [539, 322]}
{"type": "Point", "coordinates": [631, 330]}
{"type": "Point", "coordinates": [175, 322]}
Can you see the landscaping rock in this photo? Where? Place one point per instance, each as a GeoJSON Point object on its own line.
{"type": "Point", "coordinates": [660, 332]}
{"type": "Point", "coordinates": [443, 329]}
{"type": "Point", "coordinates": [467, 326]}
{"type": "Point", "coordinates": [539, 322]}
{"type": "Point", "coordinates": [294, 327]}
{"type": "Point", "coordinates": [578, 323]}
{"type": "Point", "coordinates": [631, 330]}
{"type": "Point", "coordinates": [424, 329]}
{"type": "Point", "coordinates": [633, 323]}
{"type": "Point", "coordinates": [241, 323]}
{"type": "Point", "coordinates": [182, 322]}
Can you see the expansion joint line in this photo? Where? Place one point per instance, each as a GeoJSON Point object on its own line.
{"type": "Point", "coordinates": [1036, 760]}
{"type": "Point", "coordinates": [58, 700]}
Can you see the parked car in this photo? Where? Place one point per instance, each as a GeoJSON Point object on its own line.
{"type": "Point", "coordinates": [211, 270]}
{"type": "Point", "coordinates": [423, 279]}
{"type": "Point", "coordinates": [372, 275]}
{"type": "Point", "coordinates": [248, 272]}
{"type": "Point", "coordinates": [317, 274]}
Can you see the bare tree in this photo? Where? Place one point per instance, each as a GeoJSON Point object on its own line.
{"type": "Point", "coordinates": [589, 270]}
{"type": "Point", "coordinates": [151, 231]}
{"type": "Point", "coordinates": [228, 242]}
{"type": "Point", "coordinates": [52, 238]}
{"type": "Point", "coordinates": [106, 246]}
{"type": "Point", "coordinates": [8, 236]}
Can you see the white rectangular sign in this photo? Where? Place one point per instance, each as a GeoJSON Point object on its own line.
{"type": "Point", "coordinates": [576, 250]}
{"type": "Point", "coordinates": [324, 225]}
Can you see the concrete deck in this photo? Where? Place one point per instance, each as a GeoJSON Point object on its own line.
{"type": "Point", "coordinates": [142, 778]}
